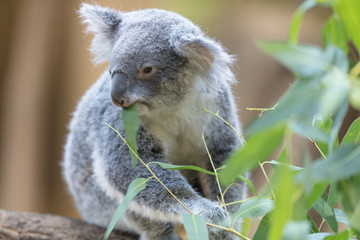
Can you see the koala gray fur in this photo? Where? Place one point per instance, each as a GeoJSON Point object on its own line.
{"type": "Point", "coordinates": [173, 71]}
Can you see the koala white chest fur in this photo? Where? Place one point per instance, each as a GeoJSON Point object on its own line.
{"type": "Point", "coordinates": [166, 65]}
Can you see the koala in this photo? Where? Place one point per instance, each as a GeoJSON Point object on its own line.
{"type": "Point", "coordinates": [164, 63]}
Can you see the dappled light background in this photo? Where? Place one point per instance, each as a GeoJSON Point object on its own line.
{"type": "Point", "coordinates": [45, 68]}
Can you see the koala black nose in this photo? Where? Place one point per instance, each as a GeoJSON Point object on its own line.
{"type": "Point", "coordinates": [119, 90]}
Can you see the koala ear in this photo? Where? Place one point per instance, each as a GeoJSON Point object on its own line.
{"type": "Point", "coordinates": [104, 24]}
{"type": "Point", "coordinates": [200, 51]}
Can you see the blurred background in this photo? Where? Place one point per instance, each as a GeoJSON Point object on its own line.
{"type": "Point", "coordinates": [45, 68]}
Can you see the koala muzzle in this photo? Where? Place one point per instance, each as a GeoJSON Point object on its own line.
{"type": "Point", "coordinates": [119, 91]}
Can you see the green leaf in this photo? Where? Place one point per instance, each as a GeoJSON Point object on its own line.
{"type": "Point", "coordinates": [336, 126]}
{"type": "Point", "coordinates": [248, 156]}
{"type": "Point", "coordinates": [254, 208]}
{"type": "Point", "coordinates": [263, 228]}
{"type": "Point", "coordinates": [324, 123]}
{"type": "Point", "coordinates": [303, 60]}
{"type": "Point", "coordinates": [130, 119]}
{"type": "Point", "coordinates": [316, 191]}
{"type": "Point", "coordinates": [293, 168]}
{"type": "Point", "coordinates": [182, 167]}
{"type": "Point", "coordinates": [352, 136]}
{"type": "Point", "coordinates": [250, 184]}
{"type": "Point", "coordinates": [284, 201]}
{"type": "Point", "coordinates": [325, 211]}
{"type": "Point", "coordinates": [297, 19]}
{"type": "Point", "coordinates": [246, 226]}
{"type": "Point", "coordinates": [296, 230]}
{"type": "Point", "coordinates": [333, 34]}
{"type": "Point", "coordinates": [291, 104]}
{"type": "Point", "coordinates": [341, 216]}
{"type": "Point", "coordinates": [134, 188]}
{"type": "Point", "coordinates": [345, 235]}
{"type": "Point", "coordinates": [348, 10]}
{"type": "Point", "coordinates": [195, 227]}
{"type": "Point", "coordinates": [317, 236]}
{"type": "Point", "coordinates": [304, 129]}
{"type": "Point", "coordinates": [333, 195]}
{"type": "Point", "coordinates": [343, 163]}
{"type": "Point", "coordinates": [314, 228]}
{"type": "Point", "coordinates": [349, 197]}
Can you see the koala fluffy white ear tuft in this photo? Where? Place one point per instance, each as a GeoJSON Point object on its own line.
{"type": "Point", "coordinates": [200, 51]}
{"type": "Point", "coordinates": [104, 24]}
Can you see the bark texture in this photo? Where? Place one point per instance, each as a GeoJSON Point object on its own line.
{"type": "Point", "coordinates": [35, 226]}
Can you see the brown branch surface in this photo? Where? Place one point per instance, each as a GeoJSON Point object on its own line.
{"type": "Point", "coordinates": [35, 226]}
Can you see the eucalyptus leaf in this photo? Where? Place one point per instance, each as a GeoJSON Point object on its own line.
{"type": "Point", "coordinates": [345, 235]}
{"type": "Point", "coordinates": [284, 191]}
{"type": "Point", "coordinates": [305, 129]}
{"type": "Point", "coordinates": [348, 10]}
{"type": "Point", "coordinates": [317, 236]}
{"type": "Point", "coordinates": [130, 120]}
{"type": "Point", "coordinates": [134, 188]}
{"type": "Point", "coordinates": [333, 195]}
{"type": "Point", "coordinates": [296, 230]}
{"type": "Point", "coordinates": [195, 227]}
{"type": "Point", "coordinates": [297, 19]}
{"type": "Point", "coordinates": [333, 34]}
{"type": "Point", "coordinates": [183, 167]}
{"type": "Point", "coordinates": [246, 226]}
{"type": "Point", "coordinates": [352, 135]}
{"type": "Point", "coordinates": [250, 184]}
{"type": "Point", "coordinates": [291, 105]}
{"type": "Point", "coordinates": [263, 228]}
{"type": "Point", "coordinates": [254, 208]}
{"type": "Point", "coordinates": [343, 163]}
{"type": "Point", "coordinates": [293, 168]}
{"type": "Point", "coordinates": [349, 196]}
{"type": "Point", "coordinates": [341, 216]}
{"type": "Point", "coordinates": [249, 156]}
{"type": "Point", "coordinates": [325, 211]}
{"type": "Point", "coordinates": [305, 61]}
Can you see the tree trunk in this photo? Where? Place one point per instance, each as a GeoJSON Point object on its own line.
{"type": "Point", "coordinates": [34, 226]}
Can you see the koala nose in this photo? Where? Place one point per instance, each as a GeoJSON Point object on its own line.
{"type": "Point", "coordinates": [119, 91]}
{"type": "Point", "coordinates": [121, 101]}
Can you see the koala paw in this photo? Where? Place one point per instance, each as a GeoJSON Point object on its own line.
{"type": "Point", "coordinates": [213, 213]}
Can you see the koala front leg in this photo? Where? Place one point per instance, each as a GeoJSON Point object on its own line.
{"type": "Point", "coordinates": [220, 150]}
{"type": "Point", "coordinates": [154, 202]}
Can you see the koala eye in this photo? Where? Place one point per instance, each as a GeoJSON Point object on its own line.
{"type": "Point", "coordinates": [146, 72]}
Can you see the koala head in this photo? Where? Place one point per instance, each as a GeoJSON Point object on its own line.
{"type": "Point", "coordinates": [154, 55]}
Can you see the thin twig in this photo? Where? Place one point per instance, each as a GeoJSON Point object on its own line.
{"type": "Point", "coordinates": [267, 179]}
{"type": "Point", "coordinates": [231, 230]}
{"type": "Point", "coordinates": [227, 123]}
{"type": "Point", "coordinates": [217, 178]}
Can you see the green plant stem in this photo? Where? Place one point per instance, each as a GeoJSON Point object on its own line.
{"type": "Point", "coordinates": [262, 110]}
{"type": "Point", "coordinates": [149, 169]}
{"type": "Point", "coordinates": [227, 123]}
{"type": "Point", "coordinates": [217, 178]}
{"type": "Point", "coordinates": [321, 224]}
{"type": "Point", "coordinates": [241, 201]}
{"type": "Point", "coordinates": [231, 230]}
{"type": "Point", "coordinates": [267, 180]}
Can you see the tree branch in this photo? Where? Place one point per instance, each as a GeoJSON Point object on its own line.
{"type": "Point", "coordinates": [35, 226]}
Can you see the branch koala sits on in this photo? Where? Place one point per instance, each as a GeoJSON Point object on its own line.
{"type": "Point", "coordinates": [165, 64]}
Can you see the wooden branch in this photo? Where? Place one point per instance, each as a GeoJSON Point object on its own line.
{"type": "Point", "coordinates": [35, 226]}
